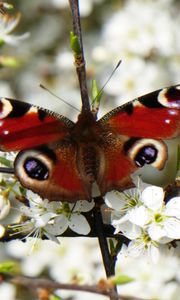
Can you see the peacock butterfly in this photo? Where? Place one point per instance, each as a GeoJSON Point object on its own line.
{"type": "Point", "coordinates": [60, 160]}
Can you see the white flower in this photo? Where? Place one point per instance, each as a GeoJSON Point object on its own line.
{"type": "Point", "coordinates": [141, 215]}
{"type": "Point", "coordinates": [145, 207]}
{"type": "Point", "coordinates": [137, 32]}
{"type": "Point", "coordinates": [7, 25]}
{"type": "Point", "coordinates": [143, 245]}
{"type": "Point", "coordinates": [53, 218]}
{"type": "Point", "coordinates": [164, 219]}
{"type": "Point", "coordinates": [151, 281]}
{"type": "Point", "coordinates": [4, 206]}
{"type": "Point", "coordinates": [71, 217]}
{"type": "Point", "coordinates": [7, 291]}
{"type": "Point", "coordinates": [2, 230]}
{"type": "Point", "coordinates": [124, 205]}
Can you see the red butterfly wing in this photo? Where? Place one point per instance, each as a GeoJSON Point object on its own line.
{"type": "Point", "coordinates": [155, 115]}
{"type": "Point", "coordinates": [116, 167]}
{"type": "Point", "coordinates": [48, 163]}
{"type": "Point", "coordinates": [25, 126]}
{"type": "Point", "coordinates": [134, 133]}
{"type": "Point", "coordinates": [53, 173]}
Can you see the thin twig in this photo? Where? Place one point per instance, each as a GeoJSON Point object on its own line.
{"type": "Point", "coordinates": [80, 62]}
{"type": "Point", "coordinates": [107, 259]}
{"type": "Point", "coordinates": [6, 170]}
{"type": "Point", "coordinates": [48, 284]}
{"type": "Point", "coordinates": [108, 263]}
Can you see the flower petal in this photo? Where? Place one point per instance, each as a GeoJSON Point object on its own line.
{"type": "Point", "coordinates": [172, 228]}
{"type": "Point", "coordinates": [52, 237]}
{"type": "Point", "coordinates": [135, 248]}
{"type": "Point", "coordinates": [131, 231]}
{"type": "Point", "coordinates": [153, 197]}
{"type": "Point", "coordinates": [4, 207]}
{"type": "Point", "coordinates": [2, 230]}
{"type": "Point", "coordinates": [79, 224]}
{"type": "Point", "coordinates": [154, 253]}
{"type": "Point", "coordinates": [140, 185]}
{"type": "Point", "coordinates": [60, 225]}
{"type": "Point", "coordinates": [173, 207]}
{"type": "Point", "coordinates": [34, 199]}
{"type": "Point", "coordinates": [83, 206]}
{"type": "Point", "coordinates": [156, 232]}
{"type": "Point", "coordinates": [139, 215]}
{"type": "Point", "coordinates": [42, 220]}
{"type": "Point", "coordinates": [14, 40]}
{"type": "Point", "coordinates": [115, 200]}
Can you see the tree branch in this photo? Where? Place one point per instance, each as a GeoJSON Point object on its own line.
{"type": "Point", "coordinates": [6, 170]}
{"type": "Point", "coordinates": [80, 61]}
{"type": "Point", "coordinates": [48, 284]}
{"type": "Point", "coordinates": [108, 261]}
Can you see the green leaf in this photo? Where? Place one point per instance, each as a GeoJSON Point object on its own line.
{"type": "Point", "coordinates": [8, 6]}
{"type": "Point", "coordinates": [96, 95]}
{"type": "Point", "coordinates": [178, 158]}
{"type": "Point", "coordinates": [95, 89]}
{"type": "Point", "coordinates": [2, 42]}
{"type": "Point", "coordinates": [112, 246]}
{"type": "Point", "coordinates": [75, 46]}
{"type": "Point", "coordinates": [54, 297]}
{"type": "Point", "coordinates": [9, 61]}
{"type": "Point", "coordinates": [8, 266]}
{"type": "Point", "coordinates": [22, 190]}
{"type": "Point", "coordinates": [121, 279]}
{"type": "Point", "coordinates": [6, 162]}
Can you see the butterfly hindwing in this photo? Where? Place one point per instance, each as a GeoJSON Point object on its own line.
{"type": "Point", "coordinates": [53, 173]}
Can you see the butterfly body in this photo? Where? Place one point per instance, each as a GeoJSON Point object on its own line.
{"type": "Point", "coordinates": [60, 160]}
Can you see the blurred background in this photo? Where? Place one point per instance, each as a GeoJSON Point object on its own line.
{"type": "Point", "coordinates": [145, 35]}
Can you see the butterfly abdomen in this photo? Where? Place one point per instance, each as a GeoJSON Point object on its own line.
{"type": "Point", "coordinates": [90, 162]}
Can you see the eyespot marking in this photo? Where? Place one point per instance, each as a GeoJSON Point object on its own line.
{"type": "Point", "coordinates": [170, 97]}
{"type": "Point", "coordinates": [148, 151]}
{"type": "Point", "coordinates": [35, 169]}
{"type": "Point", "coordinates": [146, 155]}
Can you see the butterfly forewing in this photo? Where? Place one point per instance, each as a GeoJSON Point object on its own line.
{"type": "Point", "coordinates": [25, 126]}
{"type": "Point", "coordinates": [155, 115]}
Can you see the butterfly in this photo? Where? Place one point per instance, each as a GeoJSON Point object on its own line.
{"type": "Point", "coordinates": [61, 160]}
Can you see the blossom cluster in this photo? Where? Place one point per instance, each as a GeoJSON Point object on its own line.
{"type": "Point", "coordinates": [53, 218]}
{"type": "Point", "coordinates": [142, 215]}
{"type": "Point", "coordinates": [40, 216]}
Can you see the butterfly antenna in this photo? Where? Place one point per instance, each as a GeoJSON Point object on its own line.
{"type": "Point", "coordinates": [46, 89]}
{"type": "Point", "coordinates": [109, 78]}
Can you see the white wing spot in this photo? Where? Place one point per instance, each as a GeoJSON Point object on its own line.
{"type": "Point", "coordinates": [6, 108]}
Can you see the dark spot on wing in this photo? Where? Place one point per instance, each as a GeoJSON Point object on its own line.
{"type": "Point", "coordinates": [19, 109]}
